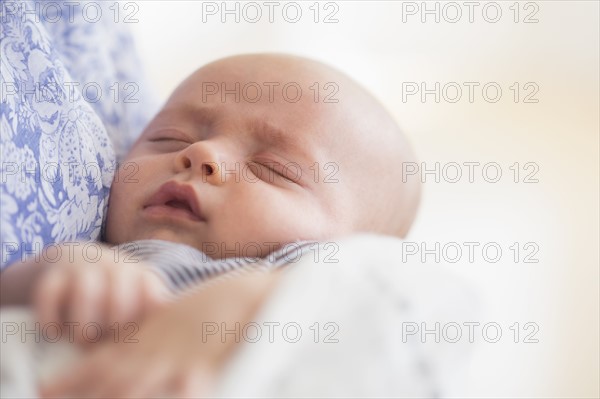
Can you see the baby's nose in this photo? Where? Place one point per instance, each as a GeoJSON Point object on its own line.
{"type": "Point", "coordinates": [202, 159]}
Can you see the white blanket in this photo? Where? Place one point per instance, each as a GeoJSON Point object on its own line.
{"type": "Point", "coordinates": [367, 304]}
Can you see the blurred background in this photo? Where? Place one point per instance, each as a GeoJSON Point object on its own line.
{"type": "Point", "coordinates": [544, 57]}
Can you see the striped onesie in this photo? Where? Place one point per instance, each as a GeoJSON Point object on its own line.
{"type": "Point", "coordinates": [183, 267]}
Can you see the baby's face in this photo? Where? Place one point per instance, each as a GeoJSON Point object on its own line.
{"type": "Point", "coordinates": [239, 178]}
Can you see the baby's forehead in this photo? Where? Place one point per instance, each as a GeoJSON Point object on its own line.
{"type": "Point", "coordinates": [307, 102]}
{"type": "Point", "coordinates": [284, 110]}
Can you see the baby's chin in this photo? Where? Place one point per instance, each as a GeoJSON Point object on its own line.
{"type": "Point", "coordinates": [168, 234]}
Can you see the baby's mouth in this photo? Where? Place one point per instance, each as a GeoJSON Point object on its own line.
{"type": "Point", "coordinates": [180, 205]}
{"type": "Point", "coordinates": [175, 200]}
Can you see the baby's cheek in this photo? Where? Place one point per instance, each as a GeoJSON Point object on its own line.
{"type": "Point", "coordinates": [120, 191]}
{"type": "Point", "coordinates": [292, 223]}
{"type": "Point", "coordinates": [124, 196]}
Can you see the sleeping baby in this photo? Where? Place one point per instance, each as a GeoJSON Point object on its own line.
{"type": "Point", "coordinates": [252, 157]}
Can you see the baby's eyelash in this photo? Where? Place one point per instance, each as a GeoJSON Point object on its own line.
{"type": "Point", "coordinates": [165, 135]}
{"type": "Point", "coordinates": [160, 139]}
{"type": "Point", "coordinates": [168, 144]}
{"type": "Point", "coordinates": [277, 171]}
{"type": "Point", "coordinates": [275, 167]}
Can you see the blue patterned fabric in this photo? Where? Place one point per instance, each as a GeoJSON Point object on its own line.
{"type": "Point", "coordinates": [71, 103]}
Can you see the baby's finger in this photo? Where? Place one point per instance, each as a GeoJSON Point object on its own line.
{"type": "Point", "coordinates": [123, 300]}
{"type": "Point", "coordinates": [154, 291]}
{"type": "Point", "coordinates": [86, 304]}
{"type": "Point", "coordinates": [50, 295]}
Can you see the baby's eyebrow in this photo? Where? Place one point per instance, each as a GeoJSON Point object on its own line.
{"type": "Point", "coordinates": [265, 132]}
{"type": "Point", "coordinates": [260, 130]}
{"type": "Point", "coordinates": [204, 115]}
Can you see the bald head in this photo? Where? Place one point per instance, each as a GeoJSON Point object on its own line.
{"type": "Point", "coordinates": [361, 146]}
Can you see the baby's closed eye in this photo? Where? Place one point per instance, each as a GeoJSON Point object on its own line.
{"type": "Point", "coordinates": [170, 141]}
{"type": "Point", "coordinates": [273, 171]}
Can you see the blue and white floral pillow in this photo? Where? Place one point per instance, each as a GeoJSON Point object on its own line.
{"type": "Point", "coordinates": [71, 103]}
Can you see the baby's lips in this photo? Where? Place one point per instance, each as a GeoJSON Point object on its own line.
{"type": "Point", "coordinates": [177, 194]}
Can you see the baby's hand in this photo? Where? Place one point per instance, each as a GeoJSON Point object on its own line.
{"type": "Point", "coordinates": [106, 292]}
{"type": "Point", "coordinates": [173, 356]}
